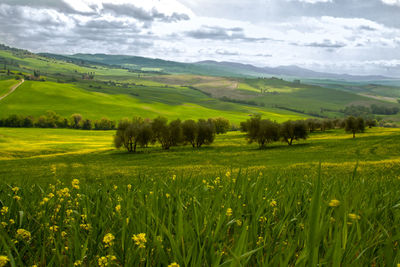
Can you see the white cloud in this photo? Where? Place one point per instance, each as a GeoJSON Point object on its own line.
{"type": "Point", "coordinates": [391, 2]}
{"type": "Point", "coordinates": [313, 1]}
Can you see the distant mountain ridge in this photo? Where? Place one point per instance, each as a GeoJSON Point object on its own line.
{"type": "Point", "coordinates": [211, 67]}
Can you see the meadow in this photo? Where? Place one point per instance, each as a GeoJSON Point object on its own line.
{"type": "Point", "coordinates": [69, 198]}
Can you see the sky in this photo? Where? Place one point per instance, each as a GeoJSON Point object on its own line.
{"type": "Point", "coordinates": [339, 36]}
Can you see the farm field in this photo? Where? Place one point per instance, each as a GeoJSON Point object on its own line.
{"type": "Point", "coordinates": [227, 204]}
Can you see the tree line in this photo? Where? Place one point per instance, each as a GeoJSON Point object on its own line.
{"type": "Point", "coordinates": [135, 132]}
{"type": "Point", "coordinates": [54, 120]}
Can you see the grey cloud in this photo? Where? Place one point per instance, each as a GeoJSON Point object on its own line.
{"type": "Point", "coordinates": [226, 52]}
{"type": "Point", "coordinates": [138, 13]}
{"type": "Point", "coordinates": [325, 44]}
{"type": "Point", "coordinates": [220, 33]}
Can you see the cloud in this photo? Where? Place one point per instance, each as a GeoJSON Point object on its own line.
{"type": "Point", "coordinates": [313, 1]}
{"type": "Point", "coordinates": [220, 33]}
{"type": "Point", "coordinates": [391, 2]}
{"type": "Point", "coordinates": [325, 44]}
{"type": "Point", "coordinates": [139, 13]}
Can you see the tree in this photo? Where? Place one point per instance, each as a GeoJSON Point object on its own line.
{"type": "Point", "coordinates": [354, 125]}
{"type": "Point", "coordinates": [189, 131]}
{"type": "Point", "coordinates": [167, 134]}
{"type": "Point", "coordinates": [222, 125]}
{"type": "Point", "coordinates": [293, 130]}
{"type": "Point", "coordinates": [75, 120]}
{"type": "Point", "coordinates": [131, 133]}
{"type": "Point", "coordinates": [86, 124]}
{"type": "Point", "coordinates": [266, 132]}
{"type": "Point", "coordinates": [371, 123]}
{"type": "Point", "coordinates": [205, 132]}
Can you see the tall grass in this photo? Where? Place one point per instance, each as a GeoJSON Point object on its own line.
{"type": "Point", "coordinates": [230, 219]}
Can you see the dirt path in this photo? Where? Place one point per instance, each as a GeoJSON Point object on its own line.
{"type": "Point", "coordinates": [12, 90]}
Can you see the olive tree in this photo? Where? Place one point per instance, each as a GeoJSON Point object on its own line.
{"type": "Point", "coordinates": [222, 125]}
{"type": "Point", "coordinates": [263, 132]}
{"type": "Point", "coordinates": [293, 130]}
{"type": "Point", "coordinates": [131, 133]}
{"type": "Point", "coordinates": [167, 134]}
{"type": "Point", "coordinates": [354, 125]}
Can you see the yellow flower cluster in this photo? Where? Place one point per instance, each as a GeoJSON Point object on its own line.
{"type": "Point", "coordinates": [106, 260]}
{"type": "Point", "coordinates": [23, 234]}
{"type": "Point", "coordinates": [75, 183]}
{"type": "Point", "coordinates": [108, 240]}
{"type": "Point", "coordinates": [3, 260]}
{"type": "Point", "coordinates": [118, 208]}
{"type": "Point", "coordinates": [140, 240]}
{"type": "Point", "coordinates": [174, 264]}
{"type": "Point", "coordinates": [229, 212]}
{"type": "Point", "coordinates": [4, 210]}
{"type": "Point", "coordinates": [334, 203]}
{"type": "Point", "coordinates": [354, 217]}
{"type": "Point", "coordinates": [273, 203]}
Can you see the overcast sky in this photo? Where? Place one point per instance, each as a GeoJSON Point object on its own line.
{"type": "Point", "coordinates": [342, 36]}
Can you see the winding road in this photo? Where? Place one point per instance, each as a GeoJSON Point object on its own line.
{"type": "Point", "coordinates": [12, 89]}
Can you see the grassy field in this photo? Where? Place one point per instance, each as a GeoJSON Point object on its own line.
{"type": "Point", "coordinates": [35, 98]}
{"type": "Point", "coordinates": [227, 204]}
{"type": "Point", "coordinates": [5, 86]}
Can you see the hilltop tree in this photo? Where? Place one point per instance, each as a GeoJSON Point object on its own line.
{"type": "Point", "coordinates": [354, 125]}
{"type": "Point", "coordinates": [293, 130]}
{"type": "Point", "coordinates": [264, 132]}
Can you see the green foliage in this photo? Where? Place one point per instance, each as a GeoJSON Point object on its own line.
{"type": "Point", "coordinates": [354, 125]}
{"type": "Point", "coordinates": [222, 125]}
{"type": "Point", "coordinates": [167, 134]}
{"type": "Point", "coordinates": [293, 130]}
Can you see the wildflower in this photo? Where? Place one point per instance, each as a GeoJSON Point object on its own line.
{"type": "Point", "coordinates": [85, 226]}
{"type": "Point", "coordinates": [4, 210]}
{"type": "Point", "coordinates": [115, 187]}
{"type": "Point", "coordinates": [174, 264]}
{"type": "Point", "coordinates": [17, 198]}
{"type": "Point", "coordinates": [54, 228]}
{"type": "Point", "coordinates": [15, 189]}
{"type": "Point", "coordinates": [229, 212]}
{"type": "Point", "coordinates": [228, 174]}
{"type": "Point", "coordinates": [75, 183]}
{"type": "Point", "coordinates": [354, 217]}
{"type": "Point", "coordinates": [4, 224]}
{"type": "Point", "coordinates": [3, 260]}
{"type": "Point", "coordinates": [78, 263]}
{"type": "Point", "coordinates": [68, 212]}
{"type": "Point", "coordinates": [63, 234]}
{"type": "Point", "coordinates": [140, 240]}
{"type": "Point", "coordinates": [23, 234]}
{"type": "Point", "coordinates": [118, 208]}
{"type": "Point", "coordinates": [167, 195]}
{"type": "Point", "coordinates": [50, 195]}
{"type": "Point", "coordinates": [173, 177]}
{"type": "Point", "coordinates": [102, 261]}
{"type": "Point", "coordinates": [273, 203]}
{"type": "Point", "coordinates": [108, 240]}
{"type": "Point", "coordinates": [260, 240]}
{"type": "Point", "coordinates": [11, 221]}
{"type": "Point", "coordinates": [262, 219]}
{"type": "Point", "coordinates": [129, 186]}
{"type": "Point", "coordinates": [334, 203]}
{"type": "Point", "coordinates": [239, 222]}
{"type": "Point", "coordinates": [45, 200]}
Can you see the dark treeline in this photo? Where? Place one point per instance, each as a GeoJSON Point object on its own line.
{"type": "Point", "coordinates": [373, 109]}
{"type": "Point", "coordinates": [135, 132]}
{"type": "Point", "coordinates": [54, 120]}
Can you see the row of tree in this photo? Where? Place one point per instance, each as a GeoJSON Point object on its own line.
{"type": "Point", "coordinates": [54, 120]}
{"type": "Point", "coordinates": [142, 132]}
{"type": "Point", "coordinates": [264, 131]}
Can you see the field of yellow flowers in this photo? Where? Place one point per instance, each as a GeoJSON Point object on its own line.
{"type": "Point", "coordinates": [183, 208]}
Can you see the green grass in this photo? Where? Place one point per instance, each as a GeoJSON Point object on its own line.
{"type": "Point", "coordinates": [35, 98]}
{"type": "Point", "coordinates": [5, 86]}
{"type": "Point", "coordinates": [278, 196]}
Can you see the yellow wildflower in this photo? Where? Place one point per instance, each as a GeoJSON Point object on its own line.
{"type": "Point", "coordinates": [174, 264]}
{"type": "Point", "coordinates": [239, 222]}
{"type": "Point", "coordinates": [108, 240]}
{"type": "Point", "coordinates": [78, 263]}
{"type": "Point", "coordinates": [15, 189]}
{"type": "Point", "coordinates": [334, 203]}
{"type": "Point", "coordinates": [173, 177]}
{"type": "Point", "coordinates": [102, 261]}
{"type": "Point", "coordinates": [4, 210]}
{"type": "Point", "coordinates": [85, 226]}
{"type": "Point", "coordinates": [63, 234]}
{"type": "Point", "coordinates": [75, 183]}
{"type": "Point", "coordinates": [23, 234]}
{"type": "Point", "coordinates": [3, 260]}
{"type": "Point", "coordinates": [118, 208]}
{"type": "Point", "coordinates": [115, 187]}
{"type": "Point", "coordinates": [140, 240]}
{"type": "Point", "coordinates": [262, 219]}
{"type": "Point", "coordinates": [354, 217]}
{"type": "Point", "coordinates": [4, 224]}
{"type": "Point", "coordinates": [53, 228]}
{"type": "Point", "coordinates": [229, 212]}
{"type": "Point", "coordinates": [167, 195]}
{"type": "Point", "coordinates": [228, 174]}
{"type": "Point", "coordinates": [11, 221]}
{"type": "Point", "coordinates": [260, 240]}
{"type": "Point", "coordinates": [273, 203]}
{"type": "Point", "coordinates": [129, 187]}
{"type": "Point", "coordinates": [17, 198]}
